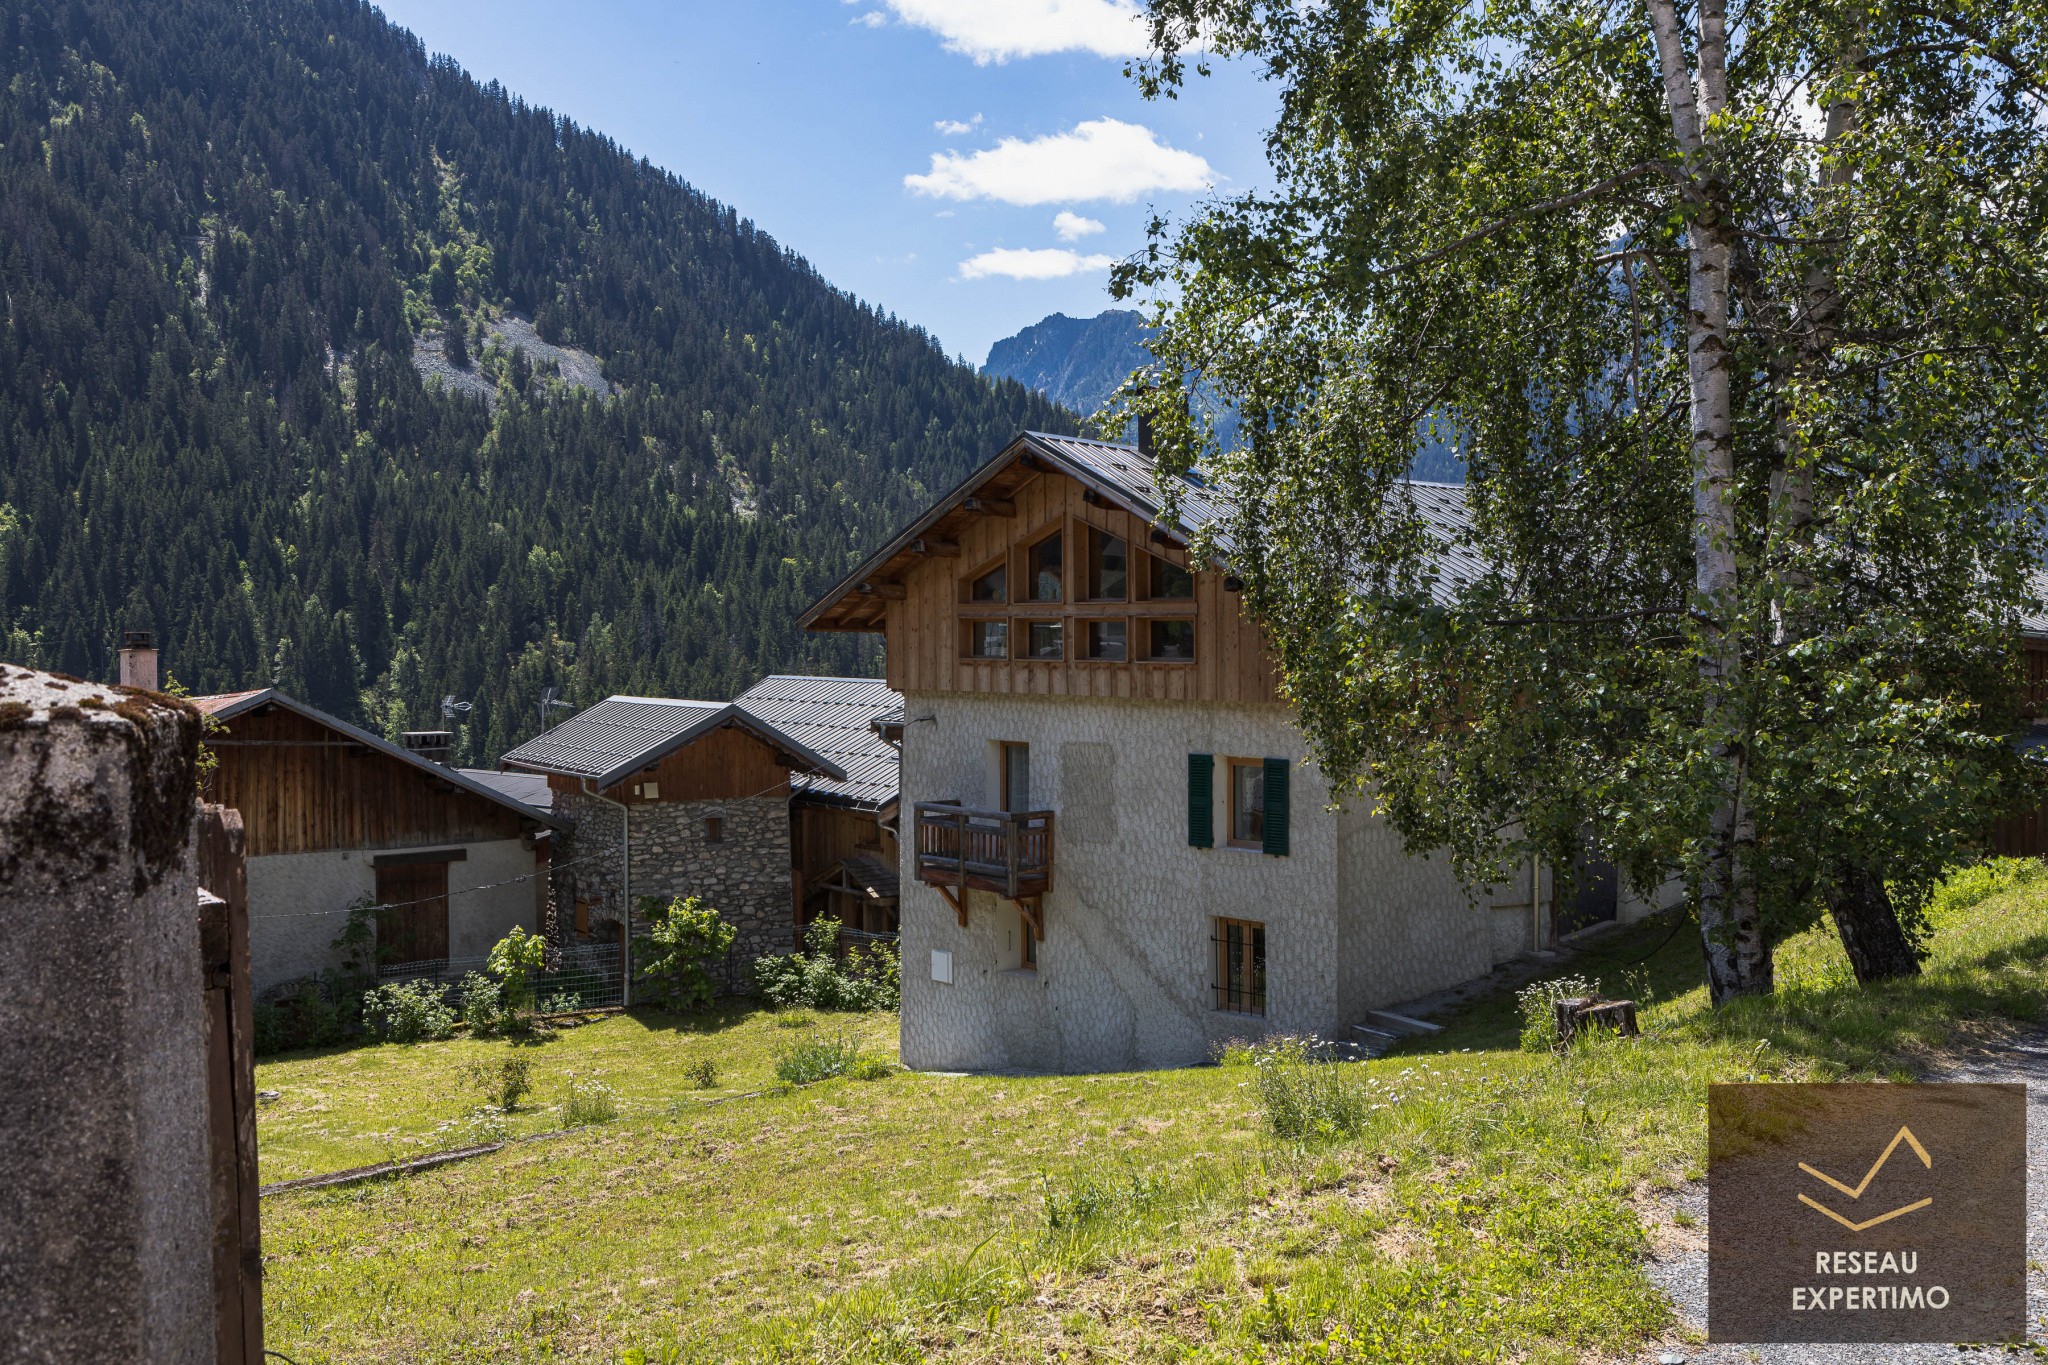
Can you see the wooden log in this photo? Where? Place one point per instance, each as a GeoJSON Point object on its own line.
{"type": "Point", "coordinates": [1582, 1013]}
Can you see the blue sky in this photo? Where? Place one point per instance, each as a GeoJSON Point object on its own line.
{"type": "Point", "coordinates": [820, 120]}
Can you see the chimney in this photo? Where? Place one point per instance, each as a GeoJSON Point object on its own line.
{"type": "Point", "coordinates": [138, 660]}
{"type": "Point", "coordinates": [433, 745]}
{"type": "Point", "coordinates": [1144, 435]}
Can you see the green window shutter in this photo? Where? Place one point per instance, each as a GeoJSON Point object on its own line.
{"type": "Point", "coordinates": [1202, 800]}
{"type": "Point", "coordinates": [1276, 807]}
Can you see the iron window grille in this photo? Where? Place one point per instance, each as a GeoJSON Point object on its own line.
{"type": "Point", "coordinates": [1240, 954]}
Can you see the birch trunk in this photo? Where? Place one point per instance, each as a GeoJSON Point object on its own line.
{"type": "Point", "coordinates": [1738, 957]}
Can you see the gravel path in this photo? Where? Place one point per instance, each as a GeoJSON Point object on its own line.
{"type": "Point", "coordinates": [1679, 1264]}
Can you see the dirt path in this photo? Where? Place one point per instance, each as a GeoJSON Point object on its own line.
{"type": "Point", "coordinates": [1679, 1264]}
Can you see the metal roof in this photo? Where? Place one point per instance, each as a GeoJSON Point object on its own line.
{"type": "Point", "coordinates": [835, 716]}
{"type": "Point", "coordinates": [226, 706]}
{"type": "Point", "coordinates": [621, 735]}
{"type": "Point", "coordinates": [531, 788]}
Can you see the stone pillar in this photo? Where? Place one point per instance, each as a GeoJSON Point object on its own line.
{"type": "Point", "coordinates": [105, 1208]}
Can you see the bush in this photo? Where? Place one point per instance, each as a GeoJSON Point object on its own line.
{"type": "Point", "coordinates": [562, 1002]}
{"type": "Point", "coordinates": [703, 1073]}
{"type": "Point", "coordinates": [1536, 1002]}
{"type": "Point", "coordinates": [506, 1081]}
{"type": "Point", "coordinates": [407, 1012]}
{"type": "Point", "coordinates": [483, 1004]}
{"type": "Point", "coordinates": [868, 978]}
{"type": "Point", "coordinates": [514, 959]}
{"type": "Point", "coordinates": [1979, 882]}
{"type": "Point", "coordinates": [590, 1102]}
{"type": "Point", "coordinates": [817, 1059]}
{"type": "Point", "coordinates": [682, 936]}
{"type": "Point", "coordinates": [311, 1012]}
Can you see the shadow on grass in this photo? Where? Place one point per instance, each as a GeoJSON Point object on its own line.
{"type": "Point", "coordinates": [1832, 1022]}
{"type": "Point", "coordinates": [719, 1017]}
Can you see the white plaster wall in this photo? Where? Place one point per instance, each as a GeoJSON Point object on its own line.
{"type": "Point", "coordinates": [298, 903]}
{"type": "Point", "coordinates": [1124, 976]}
{"type": "Point", "coordinates": [1406, 925]}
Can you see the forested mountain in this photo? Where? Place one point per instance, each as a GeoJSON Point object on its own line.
{"type": "Point", "coordinates": [233, 236]}
{"type": "Point", "coordinates": [1077, 362]}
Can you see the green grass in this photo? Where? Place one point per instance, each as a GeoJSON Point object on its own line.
{"type": "Point", "coordinates": [1476, 1202]}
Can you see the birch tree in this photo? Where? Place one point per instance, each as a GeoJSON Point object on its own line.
{"type": "Point", "coordinates": [1737, 320]}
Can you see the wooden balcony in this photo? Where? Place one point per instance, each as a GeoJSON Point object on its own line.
{"type": "Point", "coordinates": [1007, 852]}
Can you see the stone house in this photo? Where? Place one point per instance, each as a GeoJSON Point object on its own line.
{"type": "Point", "coordinates": [334, 814]}
{"type": "Point", "coordinates": [1075, 684]}
{"type": "Point", "coordinates": [667, 798]}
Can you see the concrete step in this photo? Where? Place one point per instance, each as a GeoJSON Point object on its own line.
{"type": "Point", "coordinates": [1373, 1042]}
{"type": "Point", "coordinates": [1401, 1023]}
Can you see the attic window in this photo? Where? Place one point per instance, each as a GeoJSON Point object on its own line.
{"type": "Point", "coordinates": [1107, 557]}
{"type": "Point", "coordinates": [992, 586]}
{"type": "Point", "coordinates": [1045, 570]}
{"type": "Point", "coordinates": [1170, 581]}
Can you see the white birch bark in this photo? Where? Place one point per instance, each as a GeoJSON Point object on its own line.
{"type": "Point", "coordinates": [1738, 958]}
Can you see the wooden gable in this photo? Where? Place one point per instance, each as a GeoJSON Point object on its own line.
{"type": "Point", "coordinates": [304, 788]}
{"type": "Point", "coordinates": [726, 764]}
{"type": "Point", "coordinates": [924, 602]}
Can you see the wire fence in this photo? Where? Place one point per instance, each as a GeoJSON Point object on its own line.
{"type": "Point", "coordinates": [586, 977]}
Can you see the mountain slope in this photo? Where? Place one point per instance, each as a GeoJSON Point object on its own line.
{"type": "Point", "coordinates": [227, 233]}
{"type": "Point", "coordinates": [1076, 362]}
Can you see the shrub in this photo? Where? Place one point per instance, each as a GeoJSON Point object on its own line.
{"type": "Point", "coordinates": [1536, 1002]}
{"type": "Point", "coordinates": [682, 936]}
{"type": "Point", "coordinates": [514, 959]}
{"type": "Point", "coordinates": [311, 1012]}
{"type": "Point", "coordinates": [562, 1002]}
{"type": "Point", "coordinates": [817, 1059]}
{"type": "Point", "coordinates": [869, 977]}
{"type": "Point", "coordinates": [483, 1004]}
{"type": "Point", "coordinates": [589, 1102]}
{"type": "Point", "coordinates": [1972, 885]}
{"type": "Point", "coordinates": [506, 1081]}
{"type": "Point", "coordinates": [703, 1073]}
{"type": "Point", "coordinates": [407, 1012]}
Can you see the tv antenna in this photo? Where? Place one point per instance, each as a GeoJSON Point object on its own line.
{"type": "Point", "coordinates": [452, 710]}
{"type": "Point", "coordinates": [549, 698]}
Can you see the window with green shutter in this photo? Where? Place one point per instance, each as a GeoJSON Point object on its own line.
{"type": "Point", "coordinates": [1202, 800]}
{"type": "Point", "coordinates": [1276, 814]}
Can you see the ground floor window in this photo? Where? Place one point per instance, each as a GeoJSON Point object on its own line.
{"type": "Point", "coordinates": [1240, 966]}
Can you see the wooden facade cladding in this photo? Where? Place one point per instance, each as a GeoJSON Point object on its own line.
{"type": "Point", "coordinates": [925, 627]}
{"type": "Point", "coordinates": [726, 764]}
{"type": "Point", "coordinates": [303, 788]}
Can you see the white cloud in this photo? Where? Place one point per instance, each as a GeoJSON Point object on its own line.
{"type": "Point", "coordinates": [1043, 263]}
{"type": "Point", "coordinates": [953, 127]}
{"type": "Point", "coordinates": [997, 30]}
{"type": "Point", "coordinates": [1104, 158]}
{"type": "Point", "coordinates": [1072, 227]}
{"type": "Point", "coordinates": [874, 18]}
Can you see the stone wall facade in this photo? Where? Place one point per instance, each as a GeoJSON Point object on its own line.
{"type": "Point", "coordinates": [1125, 975]}
{"type": "Point", "coordinates": [745, 875]}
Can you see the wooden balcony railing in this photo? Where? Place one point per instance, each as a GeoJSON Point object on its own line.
{"type": "Point", "coordinates": [1007, 852]}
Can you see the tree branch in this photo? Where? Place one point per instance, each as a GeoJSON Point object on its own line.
{"type": "Point", "coordinates": [1548, 206]}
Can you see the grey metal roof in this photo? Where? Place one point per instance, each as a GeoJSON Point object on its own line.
{"type": "Point", "coordinates": [531, 788]}
{"type": "Point", "coordinates": [227, 705]}
{"type": "Point", "coordinates": [835, 717]}
{"type": "Point", "coordinates": [621, 735]}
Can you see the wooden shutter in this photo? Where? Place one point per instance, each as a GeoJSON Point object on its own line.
{"type": "Point", "coordinates": [1276, 807]}
{"type": "Point", "coordinates": [1202, 800]}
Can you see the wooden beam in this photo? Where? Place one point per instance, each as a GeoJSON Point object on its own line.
{"type": "Point", "coordinates": [959, 903]}
{"type": "Point", "coordinates": [938, 549]}
{"type": "Point", "coordinates": [994, 507]}
{"type": "Point", "coordinates": [892, 592]}
{"type": "Point", "coordinates": [1033, 910]}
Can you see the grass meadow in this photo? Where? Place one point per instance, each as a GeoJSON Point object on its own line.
{"type": "Point", "coordinates": [1462, 1200]}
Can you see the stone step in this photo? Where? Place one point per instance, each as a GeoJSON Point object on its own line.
{"type": "Point", "coordinates": [1401, 1023]}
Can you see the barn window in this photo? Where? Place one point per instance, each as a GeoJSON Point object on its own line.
{"type": "Point", "coordinates": [714, 829]}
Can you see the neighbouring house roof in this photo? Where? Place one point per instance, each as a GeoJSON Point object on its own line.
{"type": "Point", "coordinates": [835, 716]}
{"type": "Point", "coordinates": [863, 874]}
{"type": "Point", "coordinates": [531, 788]}
{"type": "Point", "coordinates": [1119, 475]}
{"type": "Point", "coordinates": [225, 706]}
{"type": "Point", "coordinates": [621, 735]}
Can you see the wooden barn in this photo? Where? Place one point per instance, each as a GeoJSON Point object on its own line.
{"type": "Point", "coordinates": [334, 814]}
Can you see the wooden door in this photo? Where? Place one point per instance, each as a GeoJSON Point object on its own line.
{"type": "Point", "coordinates": [413, 925]}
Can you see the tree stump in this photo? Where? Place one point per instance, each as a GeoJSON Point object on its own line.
{"type": "Point", "coordinates": [1579, 1013]}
